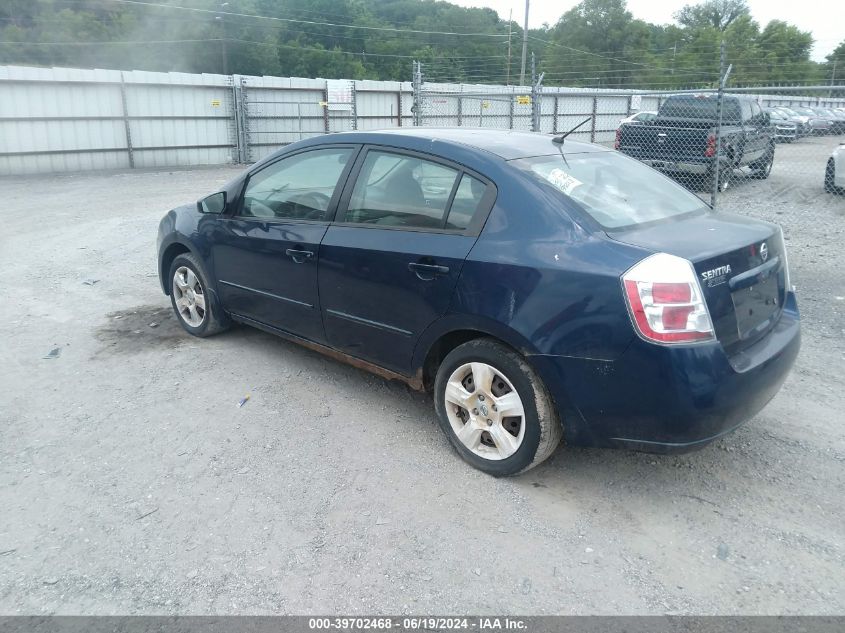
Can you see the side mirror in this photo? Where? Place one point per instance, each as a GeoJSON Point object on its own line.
{"type": "Point", "coordinates": [215, 203]}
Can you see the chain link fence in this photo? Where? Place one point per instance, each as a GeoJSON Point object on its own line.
{"type": "Point", "coordinates": [778, 142]}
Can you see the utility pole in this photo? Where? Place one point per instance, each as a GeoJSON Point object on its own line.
{"type": "Point", "coordinates": [524, 45]}
{"type": "Point", "coordinates": [510, 27]}
{"type": "Point", "coordinates": [533, 69]}
{"type": "Point", "coordinates": [224, 52]}
{"type": "Point", "coordinates": [832, 78]}
{"type": "Point", "coordinates": [674, 52]}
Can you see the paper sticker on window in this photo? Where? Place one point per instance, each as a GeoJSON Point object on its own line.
{"type": "Point", "coordinates": [563, 181]}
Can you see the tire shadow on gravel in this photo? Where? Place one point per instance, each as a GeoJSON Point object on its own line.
{"type": "Point", "coordinates": [139, 329]}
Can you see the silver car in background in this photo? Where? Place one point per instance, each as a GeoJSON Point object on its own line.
{"type": "Point", "coordinates": [783, 128]}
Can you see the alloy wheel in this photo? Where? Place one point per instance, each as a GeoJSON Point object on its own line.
{"type": "Point", "coordinates": [485, 411]}
{"type": "Point", "coordinates": [189, 296]}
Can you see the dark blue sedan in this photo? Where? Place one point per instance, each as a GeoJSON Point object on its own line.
{"type": "Point", "coordinates": [541, 288]}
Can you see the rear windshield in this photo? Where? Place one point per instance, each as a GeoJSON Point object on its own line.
{"type": "Point", "coordinates": [615, 190]}
{"type": "Point", "coordinates": [699, 108]}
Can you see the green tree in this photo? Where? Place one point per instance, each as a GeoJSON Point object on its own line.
{"type": "Point", "coordinates": [718, 14]}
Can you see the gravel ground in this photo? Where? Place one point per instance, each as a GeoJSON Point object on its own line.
{"type": "Point", "coordinates": [131, 483]}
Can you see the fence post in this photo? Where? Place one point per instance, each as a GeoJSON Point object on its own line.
{"type": "Point", "coordinates": [326, 109]}
{"type": "Point", "coordinates": [126, 123]}
{"type": "Point", "coordinates": [460, 112]}
{"type": "Point", "coordinates": [354, 105]}
{"type": "Point", "coordinates": [510, 113]}
{"type": "Point", "coordinates": [536, 102]}
{"type": "Point", "coordinates": [399, 106]}
{"type": "Point", "coordinates": [593, 116]}
{"type": "Point", "coordinates": [554, 121]}
{"type": "Point", "coordinates": [417, 87]}
{"type": "Point", "coordinates": [243, 121]}
{"type": "Point", "coordinates": [717, 176]}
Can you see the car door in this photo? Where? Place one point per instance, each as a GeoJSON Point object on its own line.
{"type": "Point", "coordinates": [265, 254]}
{"type": "Point", "coordinates": [390, 262]}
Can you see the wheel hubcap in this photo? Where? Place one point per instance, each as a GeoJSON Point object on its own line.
{"type": "Point", "coordinates": [189, 296]}
{"type": "Point", "coordinates": [485, 411]}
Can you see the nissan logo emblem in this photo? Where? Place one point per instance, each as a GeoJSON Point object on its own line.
{"type": "Point", "coordinates": [764, 251]}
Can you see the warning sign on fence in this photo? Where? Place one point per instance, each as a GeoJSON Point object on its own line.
{"type": "Point", "coordinates": [523, 99]}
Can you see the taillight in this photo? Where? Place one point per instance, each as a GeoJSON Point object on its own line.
{"type": "Point", "coordinates": [710, 150]}
{"type": "Point", "coordinates": [618, 140]}
{"type": "Point", "coordinates": [666, 302]}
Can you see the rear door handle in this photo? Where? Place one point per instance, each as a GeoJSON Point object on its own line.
{"type": "Point", "coordinates": [427, 272]}
{"type": "Point", "coordinates": [299, 256]}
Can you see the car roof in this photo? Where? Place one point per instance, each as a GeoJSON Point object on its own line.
{"type": "Point", "coordinates": [507, 144]}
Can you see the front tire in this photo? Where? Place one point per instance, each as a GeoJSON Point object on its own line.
{"type": "Point", "coordinates": [495, 409]}
{"type": "Point", "coordinates": [190, 297]}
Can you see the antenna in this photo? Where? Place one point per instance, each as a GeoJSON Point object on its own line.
{"type": "Point", "coordinates": [559, 139]}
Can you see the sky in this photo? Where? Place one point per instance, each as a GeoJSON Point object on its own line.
{"type": "Point", "coordinates": [825, 19]}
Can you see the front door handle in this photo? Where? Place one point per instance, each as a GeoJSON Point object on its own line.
{"type": "Point", "coordinates": [300, 257]}
{"type": "Point", "coordinates": [427, 272]}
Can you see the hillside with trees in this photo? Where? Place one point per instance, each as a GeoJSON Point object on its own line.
{"type": "Point", "coordinates": [598, 43]}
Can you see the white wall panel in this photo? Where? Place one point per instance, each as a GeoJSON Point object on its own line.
{"type": "Point", "coordinates": [70, 119]}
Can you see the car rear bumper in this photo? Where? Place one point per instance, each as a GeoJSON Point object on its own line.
{"type": "Point", "coordinates": [670, 399]}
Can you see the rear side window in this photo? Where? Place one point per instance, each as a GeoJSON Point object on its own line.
{"type": "Point", "coordinates": [399, 190]}
{"type": "Point", "coordinates": [298, 188]}
{"type": "Point", "coordinates": [615, 190]}
{"type": "Point", "coordinates": [699, 107]}
{"type": "Point", "coordinates": [467, 200]}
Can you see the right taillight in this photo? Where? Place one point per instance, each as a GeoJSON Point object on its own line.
{"type": "Point", "coordinates": [618, 140]}
{"type": "Point", "coordinates": [666, 302]}
{"type": "Point", "coordinates": [710, 149]}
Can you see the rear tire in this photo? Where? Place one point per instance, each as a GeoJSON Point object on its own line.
{"type": "Point", "coordinates": [763, 167]}
{"type": "Point", "coordinates": [191, 299]}
{"type": "Point", "coordinates": [477, 385]}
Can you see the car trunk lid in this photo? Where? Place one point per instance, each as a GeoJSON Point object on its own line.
{"type": "Point", "coordinates": [740, 264]}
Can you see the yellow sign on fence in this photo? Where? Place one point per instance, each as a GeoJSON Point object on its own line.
{"type": "Point", "coordinates": [215, 103]}
{"type": "Point", "coordinates": [523, 100]}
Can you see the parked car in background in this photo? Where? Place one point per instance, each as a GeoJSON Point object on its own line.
{"type": "Point", "coordinates": [819, 124]}
{"type": "Point", "coordinates": [681, 141]}
{"type": "Point", "coordinates": [645, 116]}
{"type": "Point", "coordinates": [834, 173]}
{"type": "Point", "coordinates": [539, 287]}
{"type": "Point", "coordinates": [783, 128]}
{"type": "Point", "coordinates": [802, 121]}
{"type": "Point", "coordinates": [837, 120]}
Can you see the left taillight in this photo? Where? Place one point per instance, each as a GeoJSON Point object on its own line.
{"type": "Point", "coordinates": [618, 140]}
{"type": "Point", "coordinates": [666, 302]}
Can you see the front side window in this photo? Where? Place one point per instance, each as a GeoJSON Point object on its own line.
{"type": "Point", "coordinates": [296, 188]}
{"type": "Point", "coordinates": [615, 190]}
{"type": "Point", "coordinates": [399, 190]}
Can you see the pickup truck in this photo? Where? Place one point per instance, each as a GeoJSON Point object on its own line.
{"type": "Point", "coordinates": [681, 140]}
